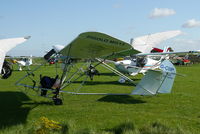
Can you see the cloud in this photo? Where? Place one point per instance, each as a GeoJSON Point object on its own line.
{"type": "Point", "coordinates": [161, 12]}
{"type": "Point", "coordinates": [191, 23]}
{"type": "Point", "coordinates": [186, 44]}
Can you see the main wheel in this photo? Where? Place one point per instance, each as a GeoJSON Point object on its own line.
{"type": "Point", "coordinates": [57, 101]}
{"type": "Point", "coordinates": [6, 70]}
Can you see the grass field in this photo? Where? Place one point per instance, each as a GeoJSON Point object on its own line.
{"type": "Point", "coordinates": [178, 112]}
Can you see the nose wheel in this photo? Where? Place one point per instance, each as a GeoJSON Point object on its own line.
{"type": "Point", "coordinates": [92, 71]}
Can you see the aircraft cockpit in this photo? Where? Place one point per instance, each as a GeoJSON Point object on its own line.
{"type": "Point", "coordinates": [138, 61]}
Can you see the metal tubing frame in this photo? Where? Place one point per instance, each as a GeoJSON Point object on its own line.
{"type": "Point", "coordinates": [68, 65]}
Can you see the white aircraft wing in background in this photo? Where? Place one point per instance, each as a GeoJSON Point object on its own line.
{"type": "Point", "coordinates": [8, 44]}
{"type": "Point", "coordinates": [168, 53]}
{"type": "Point", "coordinates": [145, 43]}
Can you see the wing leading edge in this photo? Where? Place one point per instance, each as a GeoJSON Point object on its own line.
{"type": "Point", "coordinates": [8, 44]}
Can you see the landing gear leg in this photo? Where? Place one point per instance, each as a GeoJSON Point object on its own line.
{"type": "Point", "coordinates": [56, 99]}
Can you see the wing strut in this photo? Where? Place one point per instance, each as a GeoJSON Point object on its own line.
{"type": "Point", "coordinates": [114, 70]}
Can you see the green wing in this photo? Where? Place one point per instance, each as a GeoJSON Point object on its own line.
{"type": "Point", "coordinates": [91, 45]}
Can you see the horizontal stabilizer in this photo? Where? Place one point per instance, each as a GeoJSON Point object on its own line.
{"type": "Point", "coordinates": [149, 84]}
{"type": "Point", "coordinates": [157, 81]}
{"type": "Point", "coordinates": [169, 53]}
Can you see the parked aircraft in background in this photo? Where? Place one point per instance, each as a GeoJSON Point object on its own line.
{"type": "Point", "coordinates": [24, 62]}
{"type": "Point", "coordinates": [146, 44]}
{"type": "Point", "coordinates": [5, 46]}
{"type": "Point", "coordinates": [134, 65]}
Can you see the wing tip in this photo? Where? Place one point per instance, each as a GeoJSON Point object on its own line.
{"type": "Point", "coordinates": [27, 37]}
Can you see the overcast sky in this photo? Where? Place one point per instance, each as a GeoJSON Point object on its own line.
{"type": "Point", "coordinates": [57, 22]}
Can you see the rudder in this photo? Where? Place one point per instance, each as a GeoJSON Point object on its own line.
{"type": "Point", "coordinates": [157, 81]}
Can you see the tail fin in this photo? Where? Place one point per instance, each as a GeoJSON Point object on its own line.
{"type": "Point", "coordinates": [169, 74]}
{"type": "Point", "coordinates": [8, 44]}
{"type": "Point", "coordinates": [30, 60]}
{"type": "Point", "coordinates": [168, 49]}
{"type": "Point", "coordinates": [157, 81]}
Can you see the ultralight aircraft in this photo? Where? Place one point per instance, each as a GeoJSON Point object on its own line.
{"type": "Point", "coordinates": [95, 46]}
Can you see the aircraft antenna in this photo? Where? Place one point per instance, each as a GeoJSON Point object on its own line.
{"type": "Point", "coordinates": [131, 41]}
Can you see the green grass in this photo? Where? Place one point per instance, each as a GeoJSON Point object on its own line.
{"type": "Point", "coordinates": [178, 112]}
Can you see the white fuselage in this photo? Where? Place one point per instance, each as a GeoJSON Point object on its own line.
{"type": "Point", "coordinates": [133, 67]}
{"type": "Point", "coordinates": [26, 62]}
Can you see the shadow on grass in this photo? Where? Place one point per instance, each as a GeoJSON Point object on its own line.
{"type": "Point", "coordinates": [123, 99]}
{"type": "Point", "coordinates": [108, 74]}
{"type": "Point", "coordinates": [15, 107]}
{"type": "Point", "coordinates": [23, 70]}
{"type": "Point", "coordinates": [135, 78]}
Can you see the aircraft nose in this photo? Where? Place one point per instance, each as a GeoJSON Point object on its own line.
{"type": "Point", "coordinates": [117, 63]}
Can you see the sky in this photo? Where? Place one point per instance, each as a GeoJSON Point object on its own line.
{"type": "Point", "coordinates": [58, 22]}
